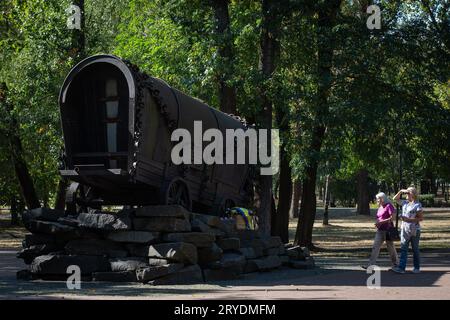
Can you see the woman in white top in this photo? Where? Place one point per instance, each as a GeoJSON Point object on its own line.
{"type": "Point", "coordinates": [412, 214]}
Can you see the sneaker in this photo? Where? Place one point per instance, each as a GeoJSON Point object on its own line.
{"type": "Point", "coordinates": [416, 270]}
{"type": "Point", "coordinates": [364, 267]}
{"type": "Point", "coordinates": [398, 270]}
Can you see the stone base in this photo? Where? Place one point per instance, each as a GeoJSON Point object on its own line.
{"type": "Point", "coordinates": [155, 244]}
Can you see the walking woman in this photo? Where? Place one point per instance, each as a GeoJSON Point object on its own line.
{"type": "Point", "coordinates": [384, 222]}
{"type": "Point", "coordinates": [412, 214]}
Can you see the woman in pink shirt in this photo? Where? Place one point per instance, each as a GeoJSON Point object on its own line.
{"type": "Point", "coordinates": [384, 222]}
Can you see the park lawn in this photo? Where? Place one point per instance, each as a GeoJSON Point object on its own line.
{"type": "Point", "coordinates": [11, 237]}
{"type": "Point", "coordinates": [349, 234]}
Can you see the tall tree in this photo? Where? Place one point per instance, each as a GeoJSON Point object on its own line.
{"type": "Point", "coordinates": [269, 44]}
{"type": "Point", "coordinates": [16, 151]}
{"type": "Point", "coordinates": [363, 198]}
{"type": "Point", "coordinates": [326, 12]}
{"type": "Point", "coordinates": [285, 189]}
{"type": "Point", "coordinates": [224, 43]}
{"type": "Point", "coordinates": [296, 193]}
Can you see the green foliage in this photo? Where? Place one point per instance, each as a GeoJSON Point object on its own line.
{"type": "Point", "coordinates": [389, 108]}
{"type": "Point", "coordinates": [427, 200]}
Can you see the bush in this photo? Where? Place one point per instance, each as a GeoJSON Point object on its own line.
{"type": "Point", "coordinates": [427, 200]}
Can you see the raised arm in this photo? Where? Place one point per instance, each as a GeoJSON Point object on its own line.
{"type": "Point", "coordinates": [397, 196]}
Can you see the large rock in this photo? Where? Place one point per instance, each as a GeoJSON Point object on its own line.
{"type": "Point", "coordinates": [268, 263]}
{"type": "Point", "coordinates": [212, 221]}
{"type": "Point", "coordinates": [177, 251]}
{"type": "Point", "coordinates": [307, 264]}
{"type": "Point", "coordinates": [263, 264]}
{"type": "Point", "coordinates": [296, 253]}
{"type": "Point", "coordinates": [210, 254]}
{"type": "Point", "coordinates": [232, 261]}
{"type": "Point", "coordinates": [95, 248]}
{"type": "Point", "coordinates": [284, 260]}
{"type": "Point", "coordinates": [248, 252]}
{"type": "Point", "coordinates": [150, 273]}
{"type": "Point", "coordinates": [44, 214]}
{"type": "Point", "coordinates": [257, 245]}
{"type": "Point", "coordinates": [253, 243]}
{"type": "Point", "coordinates": [58, 264]}
{"type": "Point", "coordinates": [69, 221]}
{"type": "Point", "coordinates": [247, 235]}
{"type": "Point", "coordinates": [229, 227]}
{"type": "Point", "coordinates": [158, 262]}
{"type": "Point", "coordinates": [162, 224]}
{"type": "Point", "coordinates": [199, 239]}
{"type": "Point", "coordinates": [127, 264]}
{"type": "Point", "coordinates": [229, 244]}
{"type": "Point", "coordinates": [48, 227]}
{"type": "Point", "coordinates": [174, 252]}
{"type": "Point", "coordinates": [137, 250]}
{"type": "Point", "coordinates": [306, 251]}
{"type": "Point", "coordinates": [36, 239]}
{"type": "Point", "coordinates": [271, 251]}
{"type": "Point", "coordinates": [145, 237]}
{"type": "Point", "coordinates": [187, 275]}
{"type": "Point", "coordinates": [28, 254]}
{"type": "Point", "coordinates": [199, 226]}
{"type": "Point", "coordinates": [251, 266]}
{"type": "Point", "coordinates": [272, 242]}
{"type": "Point", "coordinates": [105, 221]}
{"type": "Point", "coordinates": [122, 276]}
{"type": "Point", "coordinates": [173, 211]}
{"type": "Point", "coordinates": [218, 233]}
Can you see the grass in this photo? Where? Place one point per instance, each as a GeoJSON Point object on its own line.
{"type": "Point", "coordinates": [351, 234]}
{"type": "Point", "coordinates": [10, 236]}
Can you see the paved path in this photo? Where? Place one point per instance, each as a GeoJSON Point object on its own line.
{"type": "Point", "coordinates": [335, 278]}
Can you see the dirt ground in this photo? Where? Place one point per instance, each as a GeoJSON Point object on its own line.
{"type": "Point", "coordinates": [345, 245]}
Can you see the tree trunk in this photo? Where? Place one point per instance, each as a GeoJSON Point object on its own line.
{"type": "Point", "coordinates": [326, 201]}
{"type": "Point", "coordinates": [23, 175]}
{"type": "Point", "coordinates": [269, 53]}
{"type": "Point", "coordinates": [227, 92]}
{"type": "Point", "coordinates": [424, 187]}
{"type": "Point", "coordinates": [285, 178]}
{"type": "Point", "coordinates": [14, 210]}
{"type": "Point", "coordinates": [326, 21]}
{"type": "Point", "coordinates": [284, 200]}
{"type": "Point", "coordinates": [15, 145]}
{"type": "Point", "coordinates": [60, 201]}
{"type": "Point", "coordinates": [297, 191]}
{"type": "Point", "coordinates": [273, 217]}
{"type": "Point", "coordinates": [307, 215]}
{"type": "Point", "coordinates": [363, 201]}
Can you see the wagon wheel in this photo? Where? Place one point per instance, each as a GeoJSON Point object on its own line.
{"type": "Point", "coordinates": [77, 198]}
{"type": "Point", "coordinates": [177, 192]}
{"type": "Point", "coordinates": [73, 194]}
